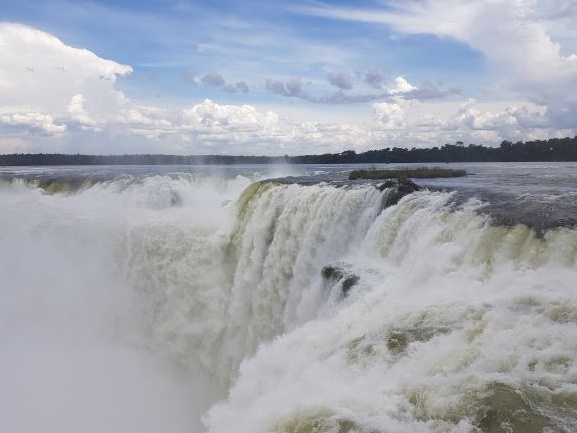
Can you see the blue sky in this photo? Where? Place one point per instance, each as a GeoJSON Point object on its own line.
{"type": "Point", "coordinates": [274, 77]}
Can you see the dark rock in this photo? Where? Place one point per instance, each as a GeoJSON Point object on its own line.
{"type": "Point", "coordinates": [399, 187]}
{"type": "Point", "coordinates": [389, 183]}
{"type": "Point", "coordinates": [408, 184]}
{"type": "Point", "coordinates": [394, 197]}
{"type": "Point", "coordinates": [175, 199]}
{"type": "Point", "coordinates": [348, 282]}
{"type": "Point", "coordinates": [340, 274]}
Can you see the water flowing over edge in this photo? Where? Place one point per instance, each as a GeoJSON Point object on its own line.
{"type": "Point", "coordinates": [320, 311]}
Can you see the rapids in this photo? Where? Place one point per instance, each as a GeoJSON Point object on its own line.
{"type": "Point", "coordinates": [182, 302]}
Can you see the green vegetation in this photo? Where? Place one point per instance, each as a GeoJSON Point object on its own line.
{"type": "Point", "coordinates": [34, 159]}
{"type": "Point", "coordinates": [419, 172]}
{"type": "Point", "coordinates": [554, 149]}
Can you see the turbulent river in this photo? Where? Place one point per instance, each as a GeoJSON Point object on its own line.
{"type": "Point", "coordinates": [196, 299]}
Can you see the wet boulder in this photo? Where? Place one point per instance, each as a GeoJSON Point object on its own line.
{"type": "Point", "coordinates": [398, 188]}
{"type": "Point", "coordinates": [339, 273]}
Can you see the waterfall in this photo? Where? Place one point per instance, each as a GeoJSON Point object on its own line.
{"type": "Point", "coordinates": [145, 303]}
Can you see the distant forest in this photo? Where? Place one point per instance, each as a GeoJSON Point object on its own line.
{"type": "Point", "coordinates": [555, 149]}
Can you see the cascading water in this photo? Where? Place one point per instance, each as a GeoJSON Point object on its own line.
{"type": "Point", "coordinates": [139, 305]}
{"type": "Point", "coordinates": [77, 315]}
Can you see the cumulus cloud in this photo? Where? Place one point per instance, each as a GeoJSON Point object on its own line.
{"type": "Point", "coordinates": [209, 114]}
{"type": "Point", "coordinates": [513, 35]}
{"type": "Point", "coordinates": [82, 93]}
{"type": "Point", "coordinates": [340, 79]}
{"type": "Point", "coordinates": [470, 122]}
{"type": "Point", "coordinates": [508, 122]}
{"type": "Point", "coordinates": [393, 115]}
{"type": "Point", "coordinates": [82, 96]}
{"type": "Point", "coordinates": [42, 79]}
{"type": "Point", "coordinates": [252, 131]}
{"type": "Point", "coordinates": [145, 121]}
{"type": "Point", "coordinates": [35, 123]}
{"type": "Point", "coordinates": [401, 86]}
{"type": "Point", "coordinates": [37, 69]}
{"type": "Point", "coordinates": [78, 112]}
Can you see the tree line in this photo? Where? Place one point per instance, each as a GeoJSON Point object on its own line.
{"type": "Point", "coordinates": [554, 149]}
{"type": "Point", "coordinates": [27, 159]}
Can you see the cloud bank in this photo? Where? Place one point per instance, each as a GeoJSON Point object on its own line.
{"type": "Point", "coordinates": [515, 36]}
{"type": "Point", "coordinates": [55, 97]}
{"type": "Point", "coordinates": [44, 84]}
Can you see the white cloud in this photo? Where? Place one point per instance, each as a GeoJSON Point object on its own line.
{"type": "Point", "coordinates": [509, 122]}
{"type": "Point", "coordinates": [48, 88]}
{"type": "Point", "coordinates": [210, 115]}
{"type": "Point", "coordinates": [78, 113]}
{"type": "Point", "coordinates": [245, 129]}
{"type": "Point", "coordinates": [401, 86]}
{"type": "Point", "coordinates": [148, 122]}
{"type": "Point", "coordinates": [471, 122]}
{"type": "Point", "coordinates": [393, 115]}
{"type": "Point", "coordinates": [42, 79]}
{"type": "Point", "coordinates": [514, 35]}
{"type": "Point", "coordinates": [35, 123]}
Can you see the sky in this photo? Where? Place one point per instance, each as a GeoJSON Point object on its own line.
{"type": "Point", "coordinates": [272, 77]}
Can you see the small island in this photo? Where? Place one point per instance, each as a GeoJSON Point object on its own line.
{"type": "Point", "coordinates": [403, 173]}
{"type": "Point", "coordinates": [398, 181]}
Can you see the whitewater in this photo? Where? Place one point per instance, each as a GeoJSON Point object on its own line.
{"type": "Point", "coordinates": [255, 299]}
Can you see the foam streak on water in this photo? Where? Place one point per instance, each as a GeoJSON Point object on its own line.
{"type": "Point", "coordinates": [138, 306]}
